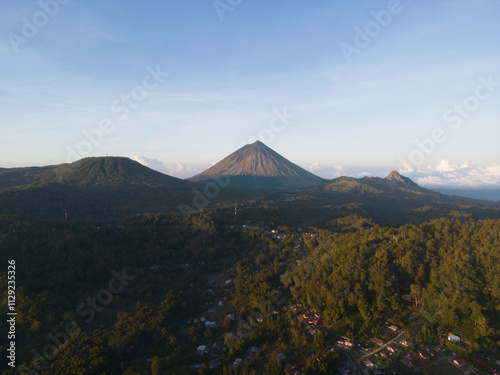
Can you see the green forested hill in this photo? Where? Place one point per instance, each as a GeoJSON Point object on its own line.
{"type": "Point", "coordinates": [431, 278]}
{"type": "Point", "coordinates": [89, 172]}
{"type": "Point", "coordinates": [367, 201]}
{"type": "Point", "coordinates": [438, 277]}
{"type": "Point", "coordinates": [90, 189]}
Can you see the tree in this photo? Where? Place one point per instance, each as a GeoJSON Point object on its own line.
{"type": "Point", "coordinates": [415, 294]}
{"type": "Point", "coordinates": [227, 322]}
{"type": "Point", "coordinates": [319, 340]}
{"type": "Point", "coordinates": [156, 366]}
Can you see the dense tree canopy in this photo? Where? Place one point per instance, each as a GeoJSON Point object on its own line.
{"type": "Point", "coordinates": [440, 276]}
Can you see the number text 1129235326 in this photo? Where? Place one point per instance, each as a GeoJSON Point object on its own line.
{"type": "Point", "coordinates": [11, 312]}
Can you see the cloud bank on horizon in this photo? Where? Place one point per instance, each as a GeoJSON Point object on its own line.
{"type": "Point", "coordinates": [177, 170]}
{"type": "Point", "coordinates": [444, 174]}
{"type": "Point", "coordinates": [463, 176]}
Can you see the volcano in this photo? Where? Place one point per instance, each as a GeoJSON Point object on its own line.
{"type": "Point", "coordinates": [257, 166]}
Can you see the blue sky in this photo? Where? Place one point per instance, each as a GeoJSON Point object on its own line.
{"type": "Point", "coordinates": [354, 105]}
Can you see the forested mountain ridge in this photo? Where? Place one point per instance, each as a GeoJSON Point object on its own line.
{"type": "Point", "coordinates": [88, 172]}
{"type": "Point", "coordinates": [392, 183]}
{"type": "Point", "coordinates": [345, 201]}
{"type": "Point", "coordinates": [108, 188]}
{"type": "Point", "coordinates": [112, 188]}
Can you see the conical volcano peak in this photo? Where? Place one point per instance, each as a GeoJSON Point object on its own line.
{"type": "Point", "coordinates": [260, 165]}
{"type": "Point", "coordinates": [395, 176]}
{"type": "Point", "coordinates": [257, 146]}
{"type": "Point", "coordinates": [395, 179]}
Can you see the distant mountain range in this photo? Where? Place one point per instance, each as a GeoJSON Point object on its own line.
{"type": "Point", "coordinates": [262, 183]}
{"type": "Point", "coordinates": [258, 166]}
{"type": "Point", "coordinates": [393, 182]}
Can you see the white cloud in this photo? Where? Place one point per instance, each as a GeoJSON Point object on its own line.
{"type": "Point", "coordinates": [493, 170]}
{"type": "Point", "coordinates": [338, 171]}
{"type": "Point", "coordinates": [177, 170]}
{"type": "Point", "coordinates": [364, 174]}
{"type": "Point", "coordinates": [314, 167]}
{"type": "Point", "coordinates": [445, 166]}
{"type": "Point", "coordinates": [328, 172]}
{"type": "Point", "coordinates": [463, 175]}
{"type": "Point", "coordinates": [180, 170]}
{"type": "Point", "coordinates": [155, 164]}
{"type": "Point", "coordinates": [405, 168]}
